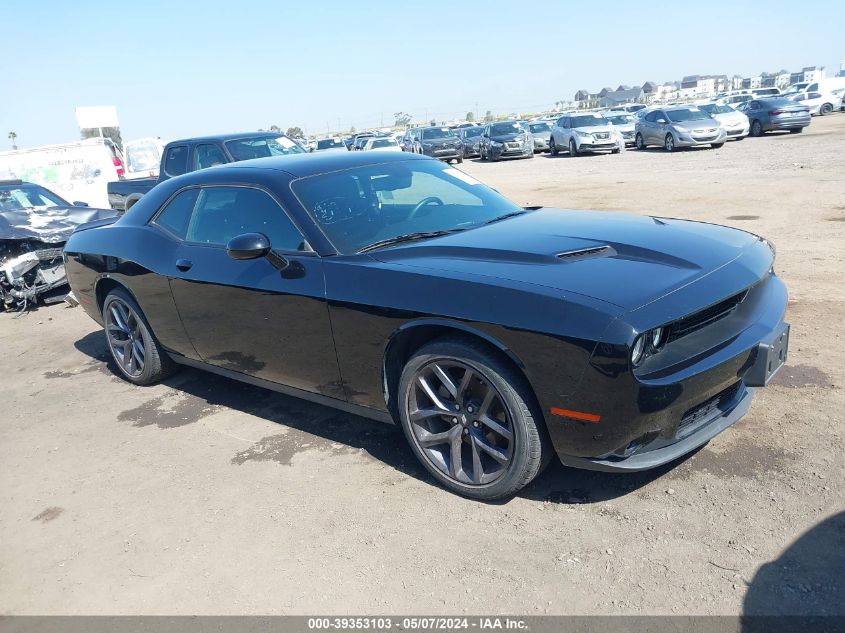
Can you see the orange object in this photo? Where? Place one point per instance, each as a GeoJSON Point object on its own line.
{"type": "Point", "coordinates": [576, 415]}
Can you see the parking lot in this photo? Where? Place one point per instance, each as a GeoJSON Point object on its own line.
{"type": "Point", "coordinates": [206, 496]}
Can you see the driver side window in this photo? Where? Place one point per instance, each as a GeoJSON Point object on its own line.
{"type": "Point", "coordinates": [222, 213]}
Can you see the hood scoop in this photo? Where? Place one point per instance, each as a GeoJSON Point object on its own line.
{"type": "Point", "coordinates": [587, 253]}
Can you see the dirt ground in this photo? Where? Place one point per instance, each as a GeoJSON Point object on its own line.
{"type": "Point", "coordinates": [205, 496]}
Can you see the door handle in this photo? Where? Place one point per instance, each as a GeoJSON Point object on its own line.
{"type": "Point", "coordinates": [184, 265]}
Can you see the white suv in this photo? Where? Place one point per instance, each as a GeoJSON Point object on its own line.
{"type": "Point", "coordinates": [578, 133]}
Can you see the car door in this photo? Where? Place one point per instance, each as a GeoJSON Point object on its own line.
{"type": "Point", "coordinates": [658, 129]}
{"type": "Point", "coordinates": [265, 317]}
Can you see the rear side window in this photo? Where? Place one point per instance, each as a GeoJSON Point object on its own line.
{"type": "Point", "coordinates": [208, 155]}
{"type": "Point", "coordinates": [177, 214]}
{"type": "Point", "coordinates": [226, 212]}
{"type": "Point", "coordinates": [176, 162]}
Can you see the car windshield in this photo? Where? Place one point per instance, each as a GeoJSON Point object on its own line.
{"type": "Point", "coordinates": [470, 132]}
{"type": "Point", "coordinates": [248, 148]}
{"type": "Point", "coordinates": [620, 119]}
{"type": "Point", "coordinates": [361, 206]}
{"type": "Point", "coordinates": [500, 129]}
{"type": "Point", "coordinates": [539, 128]}
{"type": "Point", "coordinates": [329, 143]}
{"type": "Point", "coordinates": [716, 108]}
{"type": "Point", "coordinates": [23, 197]}
{"type": "Point", "coordinates": [587, 121]}
{"type": "Point", "coordinates": [437, 132]}
{"type": "Point", "coordinates": [383, 142]}
{"type": "Point", "coordinates": [690, 114]}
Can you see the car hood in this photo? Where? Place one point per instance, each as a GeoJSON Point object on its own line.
{"type": "Point", "coordinates": [542, 135]}
{"type": "Point", "coordinates": [593, 129]}
{"type": "Point", "coordinates": [645, 257]}
{"type": "Point", "coordinates": [695, 125]}
{"type": "Point", "coordinates": [507, 137]}
{"type": "Point", "coordinates": [441, 141]}
{"type": "Point", "coordinates": [731, 117]}
{"type": "Point", "coordinates": [48, 224]}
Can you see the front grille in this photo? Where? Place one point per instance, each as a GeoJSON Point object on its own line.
{"type": "Point", "coordinates": [705, 317]}
{"type": "Point", "coordinates": [708, 409]}
{"type": "Point", "coordinates": [602, 135]}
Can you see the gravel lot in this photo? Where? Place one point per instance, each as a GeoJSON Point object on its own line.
{"type": "Point", "coordinates": [206, 496]}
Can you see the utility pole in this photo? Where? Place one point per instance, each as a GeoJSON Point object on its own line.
{"type": "Point", "coordinates": [476, 110]}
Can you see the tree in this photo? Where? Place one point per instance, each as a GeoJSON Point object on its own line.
{"type": "Point", "coordinates": [112, 133]}
{"type": "Point", "coordinates": [276, 129]}
{"type": "Point", "coordinates": [12, 137]}
{"type": "Point", "coordinates": [488, 116]}
{"type": "Point", "coordinates": [470, 117]}
{"type": "Point", "coordinates": [295, 132]}
{"type": "Point", "coordinates": [402, 119]}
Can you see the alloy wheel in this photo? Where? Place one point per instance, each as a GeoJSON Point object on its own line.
{"type": "Point", "coordinates": [670, 143]}
{"type": "Point", "coordinates": [126, 340]}
{"type": "Point", "coordinates": [460, 422]}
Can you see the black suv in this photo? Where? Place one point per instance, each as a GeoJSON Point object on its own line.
{"type": "Point", "coordinates": [440, 142]}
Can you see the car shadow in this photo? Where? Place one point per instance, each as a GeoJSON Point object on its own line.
{"type": "Point", "coordinates": [804, 582]}
{"type": "Point", "coordinates": [330, 427]}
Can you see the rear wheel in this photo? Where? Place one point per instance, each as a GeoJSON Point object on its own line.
{"type": "Point", "coordinates": [138, 355]}
{"type": "Point", "coordinates": [756, 128]}
{"type": "Point", "coordinates": [826, 108]}
{"type": "Point", "coordinates": [469, 420]}
{"type": "Point", "coordinates": [669, 143]}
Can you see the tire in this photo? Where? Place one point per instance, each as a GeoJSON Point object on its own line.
{"type": "Point", "coordinates": [826, 108]}
{"type": "Point", "coordinates": [756, 128]}
{"type": "Point", "coordinates": [639, 142]}
{"type": "Point", "coordinates": [796, 130]}
{"type": "Point", "coordinates": [514, 431]}
{"type": "Point", "coordinates": [128, 326]}
{"type": "Point", "coordinates": [459, 160]}
{"type": "Point", "coordinates": [552, 147]}
{"type": "Point", "coordinates": [614, 151]}
{"type": "Point", "coordinates": [481, 155]}
{"type": "Point", "coordinates": [669, 143]}
{"type": "Point", "coordinates": [573, 147]}
{"type": "Point", "coordinates": [716, 145]}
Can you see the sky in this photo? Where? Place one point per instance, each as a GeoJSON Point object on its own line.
{"type": "Point", "coordinates": [184, 68]}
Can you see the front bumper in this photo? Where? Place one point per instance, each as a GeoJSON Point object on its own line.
{"type": "Point", "coordinates": [679, 402]}
{"type": "Point", "coordinates": [693, 140]}
{"type": "Point", "coordinates": [541, 145]}
{"type": "Point", "coordinates": [503, 151]}
{"type": "Point", "coordinates": [444, 153]}
{"type": "Point", "coordinates": [737, 132]}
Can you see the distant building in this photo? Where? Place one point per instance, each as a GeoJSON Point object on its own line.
{"type": "Point", "coordinates": [618, 97]}
{"type": "Point", "coordinates": [808, 73]}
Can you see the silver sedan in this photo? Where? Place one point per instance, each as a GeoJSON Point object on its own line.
{"type": "Point", "coordinates": [679, 126]}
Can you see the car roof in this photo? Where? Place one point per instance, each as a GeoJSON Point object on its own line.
{"type": "Point", "coordinates": [226, 137]}
{"type": "Point", "coordinates": [300, 165]}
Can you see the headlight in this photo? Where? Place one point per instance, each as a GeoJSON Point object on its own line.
{"type": "Point", "coordinates": [638, 351]}
{"type": "Point", "coordinates": [658, 337]}
{"type": "Point", "coordinates": [582, 133]}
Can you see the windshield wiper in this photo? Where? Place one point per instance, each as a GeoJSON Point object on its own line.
{"type": "Point", "coordinates": [505, 216]}
{"type": "Point", "coordinates": [407, 237]}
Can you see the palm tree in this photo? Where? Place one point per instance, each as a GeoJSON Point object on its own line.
{"type": "Point", "coordinates": [12, 137]}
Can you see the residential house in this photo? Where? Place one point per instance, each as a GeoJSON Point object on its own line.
{"type": "Point", "coordinates": [698, 86]}
{"type": "Point", "coordinates": [618, 97]}
{"type": "Point", "coordinates": [808, 73]}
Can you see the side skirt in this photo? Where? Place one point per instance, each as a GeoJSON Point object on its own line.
{"type": "Point", "coordinates": [334, 403]}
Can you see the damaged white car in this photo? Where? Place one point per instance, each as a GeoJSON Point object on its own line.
{"type": "Point", "coordinates": [35, 223]}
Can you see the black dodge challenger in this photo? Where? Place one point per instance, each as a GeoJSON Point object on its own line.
{"type": "Point", "coordinates": [399, 288]}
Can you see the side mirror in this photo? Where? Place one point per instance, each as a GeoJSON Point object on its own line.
{"type": "Point", "coordinates": [248, 246]}
{"type": "Point", "coordinates": [660, 121]}
{"type": "Point", "coordinates": [79, 203]}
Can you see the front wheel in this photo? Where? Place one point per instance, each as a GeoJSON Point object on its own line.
{"type": "Point", "coordinates": [573, 147]}
{"type": "Point", "coordinates": [469, 419]}
{"type": "Point", "coordinates": [796, 130]}
{"type": "Point", "coordinates": [756, 128]}
{"type": "Point", "coordinates": [716, 145]}
{"type": "Point", "coordinates": [826, 108]}
{"type": "Point", "coordinates": [639, 142]}
{"type": "Point", "coordinates": [136, 352]}
{"type": "Point", "coordinates": [552, 147]}
{"type": "Point", "coordinates": [669, 143]}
